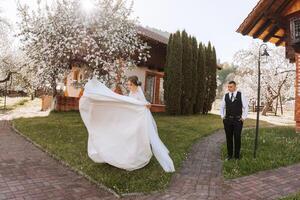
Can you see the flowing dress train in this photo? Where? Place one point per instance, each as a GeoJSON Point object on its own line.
{"type": "Point", "coordinates": [122, 131]}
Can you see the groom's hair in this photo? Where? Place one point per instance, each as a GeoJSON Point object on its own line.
{"type": "Point", "coordinates": [232, 82]}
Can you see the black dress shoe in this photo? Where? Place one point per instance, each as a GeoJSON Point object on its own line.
{"type": "Point", "coordinates": [238, 157]}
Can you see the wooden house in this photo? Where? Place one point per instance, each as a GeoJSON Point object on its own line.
{"type": "Point", "coordinates": [150, 74]}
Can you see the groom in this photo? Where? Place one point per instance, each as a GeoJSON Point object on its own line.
{"type": "Point", "coordinates": [234, 110]}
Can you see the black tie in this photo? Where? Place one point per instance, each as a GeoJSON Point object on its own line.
{"type": "Point", "coordinates": [231, 97]}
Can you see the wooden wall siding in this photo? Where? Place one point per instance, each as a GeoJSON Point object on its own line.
{"type": "Point", "coordinates": [67, 103]}
{"type": "Point", "coordinates": [297, 92]}
{"type": "Point", "coordinates": [158, 54]}
{"type": "Point", "coordinates": [46, 102]}
{"type": "Point", "coordinates": [293, 8]}
{"type": "Point", "coordinates": [155, 108]}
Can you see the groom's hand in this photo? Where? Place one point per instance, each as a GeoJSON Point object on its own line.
{"type": "Point", "coordinates": [242, 119]}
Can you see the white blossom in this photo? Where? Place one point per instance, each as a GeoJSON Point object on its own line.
{"type": "Point", "coordinates": [55, 36]}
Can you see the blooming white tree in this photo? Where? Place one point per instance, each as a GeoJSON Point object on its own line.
{"type": "Point", "coordinates": [5, 44]}
{"type": "Point", "coordinates": [105, 39]}
{"type": "Point", "coordinates": [6, 52]}
{"type": "Point", "coordinates": [277, 74]}
{"type": "Point", "coordinates": [12, 60]}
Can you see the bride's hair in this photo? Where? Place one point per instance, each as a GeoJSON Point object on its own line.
{"type": "Point", "coordinates": [135, 80]}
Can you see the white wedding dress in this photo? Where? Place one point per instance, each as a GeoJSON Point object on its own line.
{"type": "Point", "coordinates": [122, 131]}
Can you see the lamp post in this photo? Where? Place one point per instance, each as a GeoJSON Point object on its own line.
{"type": "Point", "coordinates": [265, 54]}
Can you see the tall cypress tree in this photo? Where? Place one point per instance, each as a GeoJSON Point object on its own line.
{"type": "Point", "coordinates": [173, 80]}
{"type": "Point", "coordinates": [186, 100]}
{"type": "Point", "coordinates": [201, 82]}
{"type": "Point", "coordinates": [208, 61]}
{"type": "Point", "coordinates": [211, 66]}
{"type": "Point", "coordinates": [213, 79]}
{"type": "Point", "coordinates": [194, 72]}
{"type": "Point", "coordinates": [190, 75]}
{"type": "Point", "coordinates": [166, 84]}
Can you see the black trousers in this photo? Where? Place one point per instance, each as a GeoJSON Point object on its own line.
{"type": "Point", "coordinates": [233, 129]}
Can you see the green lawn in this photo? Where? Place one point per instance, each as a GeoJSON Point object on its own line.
{"type": "Point", "coordinates": [64, 135]}
{"type": "Point", "coordinates": [278, 147]}
{"type": "Point", "coordinates": [294, 197]}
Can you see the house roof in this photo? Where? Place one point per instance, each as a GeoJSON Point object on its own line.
{"type": "Point", "coordinates": [154, 34]}
{"type": "Point", "coordinates": [265, 21]}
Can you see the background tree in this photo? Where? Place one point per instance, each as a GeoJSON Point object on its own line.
{"type": "Point", "coordinates": [167, 83]}
{"type": "Point", "coordinates": [213, 79]}
{"type": "Point", "coordinates": [207, 79]}
{"type": "Point", "coordinates": [191, 68]}
{"type": "Point", "coordinates": [277, 79]}
{"type": "Point", "coordinates": [9, 55]}
{"type": "Point", "coordinates": [55, 36]}
{"type": "Point", "coordinates": [194, 73]}
{"type": "Point", "coordinates": [173, 75]}
{"type": "Point", "coordinates": [187, 73]}
{"type": "Point", "coordinates": [201, 80]}
{"type": "Point", "coordinates": [222, 75]}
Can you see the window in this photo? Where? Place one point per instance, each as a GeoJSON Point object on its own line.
{"type": "Point", "coordinates": [295, 30]}
{"type": "Point", "coordinates": [161, 91]}
{"type": "Point", "coordinates": [150, 87]}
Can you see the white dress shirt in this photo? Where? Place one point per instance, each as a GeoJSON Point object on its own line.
{"type": "Point", "coordinates": [244, 103]}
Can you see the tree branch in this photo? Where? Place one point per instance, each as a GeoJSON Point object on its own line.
{"type": "Point", "coordinates": [7, 78]}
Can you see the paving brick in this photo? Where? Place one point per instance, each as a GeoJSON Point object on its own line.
{"type": "Point", "coordinates": [200, 176]}
{"type": "Point", "coordinates": [26, 172]}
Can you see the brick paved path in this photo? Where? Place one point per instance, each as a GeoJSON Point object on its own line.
{"type": "Point", "coordinates": [272, 184]}
{"type": "Point", "coordinates": [26, 172]}
{"type": "Point", "coordinates": [201, 174]}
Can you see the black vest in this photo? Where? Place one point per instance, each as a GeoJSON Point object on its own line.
{"type": "Point", "coordinates": [234, 108]}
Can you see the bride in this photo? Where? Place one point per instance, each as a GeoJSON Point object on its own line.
{"type": "Point", "coordinates": [122, 131]}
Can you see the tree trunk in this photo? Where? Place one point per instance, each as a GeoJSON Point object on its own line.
{"type": "Point", "coordinates": [32, 96]}
{"type": "Point", "coordinates": [276, 108]}
{"type": "Point", "coordinates": [267, 106]}
{"type": "Point", "coordinates": [54, 91]}
{"type": "Point", "coordinates": [272, 96]}
{"type": "Point", "coordinates": [54, 85]}
{"type": "Point", "coordinates": [281, 104]}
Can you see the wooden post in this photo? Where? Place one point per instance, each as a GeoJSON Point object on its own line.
{"type": "Point", "coordinates": [297, 93]}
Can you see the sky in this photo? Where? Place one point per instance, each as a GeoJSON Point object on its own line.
{"type": "Point", "coordinates": [208, 20]}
